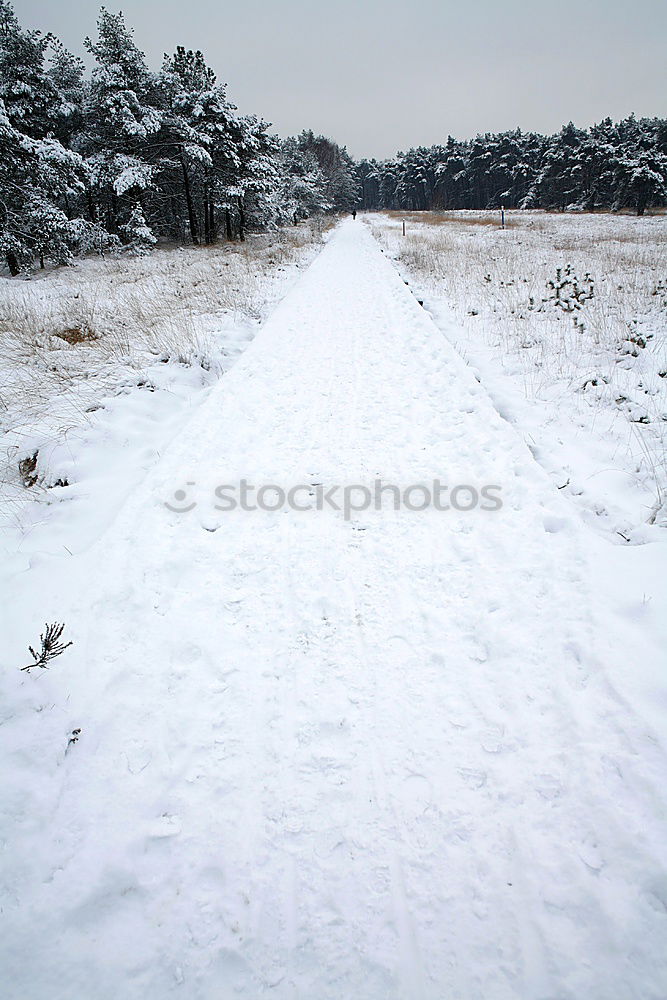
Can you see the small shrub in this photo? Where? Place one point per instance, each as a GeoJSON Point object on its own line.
{"type": "Point", "coordinates": [51, 646]}
{"type": "Point", "coordinates": [567, 292]}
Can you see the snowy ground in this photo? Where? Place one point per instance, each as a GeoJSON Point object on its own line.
{"type": "Point", "coordinates": [100, 363]}
{"type": "Point", "coordinates": [580, 372]}
{"type": "Point", "coordinates": [396, 755]}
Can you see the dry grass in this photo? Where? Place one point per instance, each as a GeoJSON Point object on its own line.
{"type": "Point", "coordinates": [154, 303]}
{"type": "Point", "coordinates": [72, 336]}
{"type": "Point", "coordinates": [467, 218]}
{"type": "Point", "coordinates": [505, 274]}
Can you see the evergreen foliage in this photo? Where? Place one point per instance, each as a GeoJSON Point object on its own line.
{"type": "Point", "coordinates": [609, 166]}
{"type": "Point", "coordinates": [128, 156]}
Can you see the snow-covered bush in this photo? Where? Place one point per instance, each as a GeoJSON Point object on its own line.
{"type": "Point", "coordinates": [138, 235]}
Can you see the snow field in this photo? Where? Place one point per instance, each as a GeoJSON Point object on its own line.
{"type": "Point", "coordinates": [406, 756]}
{"type": "Point", "coordinates": [585, 386]}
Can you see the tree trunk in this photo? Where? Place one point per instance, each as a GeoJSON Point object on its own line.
{"type": "Point", "coordinates": [211, 221]}
{"type": "Point", "coordinates": [207, 219]}
{"type": "Point", "coordinates": [176, 217]}
{"type": "Point", "coordinates": [113, 225]}
{"type": "Point", "coordinates": [228, 225]}
{"type": "Point", "coordinates": [12, 264]}
{"type": "Point", "coordinates": [192, 218]}
{"type": "Point", "coordinates": [92, 209]}
{"type": "Point", "coordinates": [241, 220]}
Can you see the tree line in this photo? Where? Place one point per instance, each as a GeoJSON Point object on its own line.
{"type": "Point", "coordinates": [608, 166]}
{"type": "Point", "coordinates": [126, 156]}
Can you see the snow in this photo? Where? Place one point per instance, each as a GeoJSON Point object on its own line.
{"type": "Point", "coordinates": [590, 403]}
{"type": "Point", "coordinates": [172, 323]}
{"type": "Point", "coordinates": [407, 755]}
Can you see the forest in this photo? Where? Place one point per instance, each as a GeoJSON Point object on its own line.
{"type": "Point", "coordinates": [608, 166]}
{"type": "Point", "coordinates": [125, 157]}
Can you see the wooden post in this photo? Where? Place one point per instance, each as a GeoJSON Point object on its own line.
{"type": "Point", "coordinates": [502, 216]}
{"type": "Point", "coordinates": [404, 227]}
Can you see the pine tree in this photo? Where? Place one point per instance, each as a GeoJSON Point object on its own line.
{"type": "Point", "coordinates": [198, 142]}
{"type": "Point", "coordinates": [302, 184]}
{"type": "Point", "coordinates": [29, 96]}
{"type": "Point", "coordinates": [368, 175]}
{"type": "Point", "coordinates": [342, 184]}
{"type": "Point", "coordinates": [38, 176]}
{"type": "Point", "coordinates": [121, 122]}
{"type": "Point", "coordinates": [66, 76]}
{"type": "Point", "coordinates": [138, 235]}
{"type": "Point", "coordinates": [35, 177]}
{"type": "Point", "coordinates": [640, 174]}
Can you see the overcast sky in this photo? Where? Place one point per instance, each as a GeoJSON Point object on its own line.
{"type": "Point", "coordinates": [386, 75]}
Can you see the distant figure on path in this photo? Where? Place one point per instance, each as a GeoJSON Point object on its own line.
{"type": "Point", "coordinates": [354, 213]}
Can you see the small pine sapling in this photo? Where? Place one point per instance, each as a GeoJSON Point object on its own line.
{"type": "Point", "coordinates": [51, 646]}
{"type": "Point", "coordinates": [567, 292]}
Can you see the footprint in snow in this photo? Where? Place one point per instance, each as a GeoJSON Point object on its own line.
{"type": "Point", "coordinates": [416, 793]}
{"type": "Point", "coordinates": [590, 854]}
{"type": "Point", "coordinates": [492, 739]}
{"type": "Point", "coordinates": [164, 826]}
{"type": "Point", "coordinates": [473, 778]}
{"type": "Point", "coordinates": [548, 786]}
{"type": "Point", "coordinates": [554, 525]}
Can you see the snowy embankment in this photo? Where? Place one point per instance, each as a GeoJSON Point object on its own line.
{"type": "Point", "coordinates": [100, 364]}
{"type": "Point", "coordinates": [401, 755]}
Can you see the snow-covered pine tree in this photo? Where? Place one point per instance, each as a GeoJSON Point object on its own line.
{"type": "Point", "coordinates": [640, 165]}
{"type": "Point", "coordinates": [389, 180]}
{"type": "Point", "coordinates": [302, 191]}
{"type": "Point", "coordinates": [368, 174]}
{"type": "Point", "coordinates": [39, 178]}
{"type": "Point", "coordinates": [66, 75]}
{"type": "Point", "coordinates": [558, 184]}
{"type": "Point", "coordinates": [138, 236]}
{"type": "Point", "coordinates": [29, 96]}
{"type": "Point", "coordinates": [198, 143]}
{"type": "Point", "coordinates": [121, 122]}
{"type": "Point", "coordinates": [256, 186]}
{"type": "Point", "coordinates": [448, 173]}
{"type": "Point", "coordinates": [343, 190]}
{"type": "Point", "coordinates": [36, 178]}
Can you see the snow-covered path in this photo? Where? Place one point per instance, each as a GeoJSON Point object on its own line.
{"type": "Point", "coordinates": [335, 759]}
